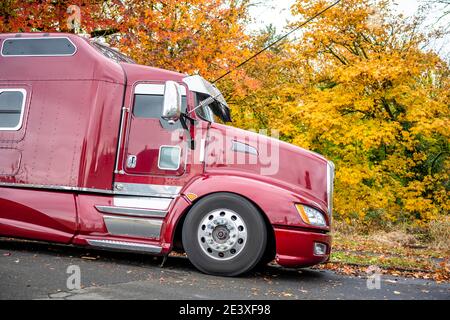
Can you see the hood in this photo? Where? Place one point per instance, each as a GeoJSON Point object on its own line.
{"type": "Point", "coordinates": [234, 151]}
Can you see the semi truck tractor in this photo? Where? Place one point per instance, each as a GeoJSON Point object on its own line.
{"type": "Point", "coordinates": [98, 151]}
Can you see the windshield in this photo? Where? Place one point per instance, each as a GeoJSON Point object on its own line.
{"type": "Point", "coordinates": [111, 53]}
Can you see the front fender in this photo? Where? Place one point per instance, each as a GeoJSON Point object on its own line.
{"type": "Point", "coordinates": [275, 202]}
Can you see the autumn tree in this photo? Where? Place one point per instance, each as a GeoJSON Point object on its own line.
{"type": "Point", "coordinates": [357, 85]}
{"type": "Point", "coordinates": [359, 88]}
{"type": "Point", "coordinates": [196, 36]}
{"type": "Point", "coordinates": [52, 16]}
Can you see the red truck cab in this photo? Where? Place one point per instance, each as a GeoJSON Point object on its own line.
{"type": "Point", "coordinates": [98, 151]}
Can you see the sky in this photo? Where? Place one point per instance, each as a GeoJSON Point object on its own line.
{"type": "Point", "coordinates": [277, 13]}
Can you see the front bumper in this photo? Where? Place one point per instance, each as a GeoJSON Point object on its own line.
{"type": "Point", "coordinates": [295, 248]}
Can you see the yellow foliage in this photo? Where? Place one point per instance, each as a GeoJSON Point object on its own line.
{"type": "Point", "coordinates": [367, 97]}
{"type": "Point", "coordinates": [356, 87]}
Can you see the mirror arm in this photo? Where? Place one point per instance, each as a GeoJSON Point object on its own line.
{"type": "Point", "coordinates": [192, 120]}
{"type": "Point", "coordinates": [183, 118]}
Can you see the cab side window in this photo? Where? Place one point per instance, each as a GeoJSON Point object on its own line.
{"type": "Point", "coordinates": [12, 105]}
{"type": "Point", "coordinates": [149, 106]}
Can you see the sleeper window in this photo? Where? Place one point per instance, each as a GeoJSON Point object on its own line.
{"type": "Point", "coordinates": [38, 47]}
{"type": "Point", "coordinates": [12, 103]}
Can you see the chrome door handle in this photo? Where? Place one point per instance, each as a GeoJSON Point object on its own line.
{"type": "Point", "coordinates": [131, 161]}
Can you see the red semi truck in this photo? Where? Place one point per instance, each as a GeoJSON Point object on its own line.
{"type": "Point", "coordinates": [98, 151]}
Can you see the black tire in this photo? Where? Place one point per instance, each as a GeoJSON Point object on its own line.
{"type": "Point", "coordinates": [250, 253]}
{"type": "Point", "coordinates": [269, 254]}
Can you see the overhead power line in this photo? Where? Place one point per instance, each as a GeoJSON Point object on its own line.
{"type": "Point", "coordinates": [277, 41]}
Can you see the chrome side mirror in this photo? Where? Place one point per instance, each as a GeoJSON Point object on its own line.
{"type": "Point", "coordinates": [172, 102]}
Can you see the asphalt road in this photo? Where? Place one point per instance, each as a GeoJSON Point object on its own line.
{"type": "Point", "coordinates": [31, 270]}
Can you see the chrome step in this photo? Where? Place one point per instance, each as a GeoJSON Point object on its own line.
{"type": "Point", "coordinates": [124, 245]}
{"type": "Point", "coordinates": [133, 227]}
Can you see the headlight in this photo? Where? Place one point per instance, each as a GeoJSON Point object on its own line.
{"type": "Point", "coordinates": [311, 216]}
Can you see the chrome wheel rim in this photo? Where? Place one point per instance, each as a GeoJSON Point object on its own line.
{"type": "Point", "coordinates": [222, 234]}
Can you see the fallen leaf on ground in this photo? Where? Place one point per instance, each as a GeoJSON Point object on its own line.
{"type": "Point", "coordinates": [390, 281]}
{"type": "Point", "coordinates": [88, 258]}
{"type": "Point", "coordinates": [304, 291]}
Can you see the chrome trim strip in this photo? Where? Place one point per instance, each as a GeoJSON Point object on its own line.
{"type": "Point", "coordinates": [132, 211]}
{"type": "Point", "coordinates": [156, 190]}
{"type": "Point", "coordinates": [330, 187]}
{"type": "Point", "coordinates": [237, 146]}
{"type": "Point", "coordinates": [39, 55]}
{"type": "Point", "coordinates": [53, 187]}
{"type": "Point", "coordinates": [159, 204]}
{"type": "Point", "coordinates": [124, 245]}
{"type": "Point", "coordinates": [119, 142]}
{"type": "Point", "coordinates": [133, 227]}
{"type": "Point", "coordinates": [148, 190]}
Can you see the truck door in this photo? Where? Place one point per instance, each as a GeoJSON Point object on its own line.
{"type": "Point", "coordinates": [153, 146]}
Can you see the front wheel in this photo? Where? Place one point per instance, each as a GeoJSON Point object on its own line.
{"type": "Point", "coordinates": [224, 234]}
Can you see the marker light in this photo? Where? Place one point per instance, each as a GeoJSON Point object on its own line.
{"type": "Point", "coordinates": [311, 216]}
{"type": "Point", "coordinates": [320, 249]}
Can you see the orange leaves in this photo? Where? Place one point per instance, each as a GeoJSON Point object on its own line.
{"type": "Point", "coordinates": [201, 36]}
{"type": "Point", "coordinates": [361, 91]}
{"type": "Point", "coordinates": [48, 16]}
{"type": "Point", "coordinates": [355, 86]}
{"type": "Point", "coordinates": [443, 273]}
